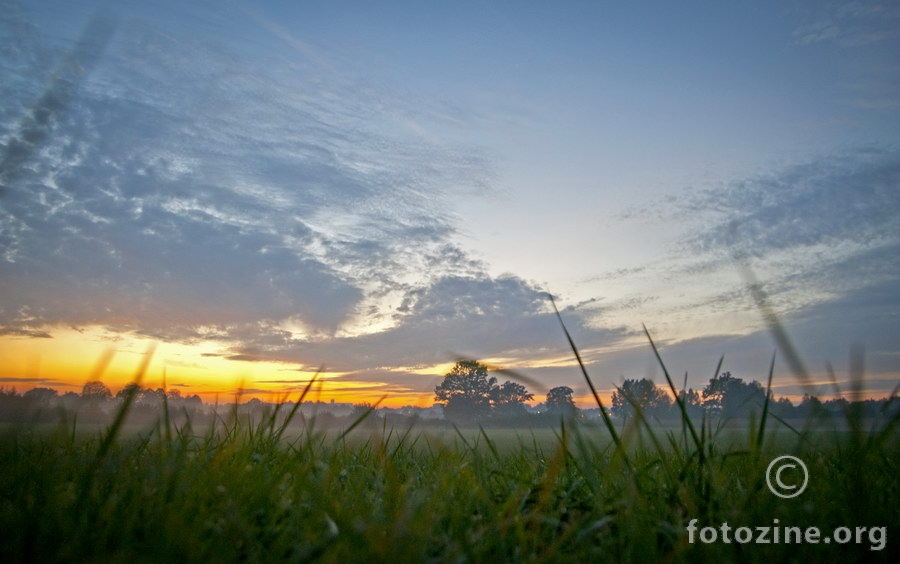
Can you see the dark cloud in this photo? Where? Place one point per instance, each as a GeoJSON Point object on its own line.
{"type": "Point", "coordinates": [823, 334]}
{"type": "Point", "coordinates": [473, 316]}
{"type": "Point", "coordinates": [296, 382]}
{"type": "Point", "coordinates": [33, 381]}
{"type": "Point", "coordinates": [30, 333]}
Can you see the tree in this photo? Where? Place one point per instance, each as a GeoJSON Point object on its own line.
{"type": "Point", "coordinates": [559, 400]}
{"type": "Point", "coordinates": [128, 389]}
{"type": "Point", "coordinates": [693, 404]}
{"type": "Point", "coordinates": [783, 408]}
{"type": "Point", "coordinates": [732, 397]}
{"type": "Point", "coordinates": [96, 391]}
{"type": "Point", "coordinates": [510, 397]}
{"type": "Point", "coordinates": [41, 395]}
{"type": "Point", "coordinates": [642, 393]}
{"type": "Point", "coordinates": [466, 390]}
{"type": "Point", "coordinates": [810, 406]}
{"type": "Point", "coordinates": [70, 400]}
{"type": "Point", "coordinates": [363, 413]}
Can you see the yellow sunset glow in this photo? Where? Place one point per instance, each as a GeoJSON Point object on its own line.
{"type": "Point", "coordinates": [72, 357]}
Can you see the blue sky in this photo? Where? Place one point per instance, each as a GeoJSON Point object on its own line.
{"type": "Point", "coordinates": [378, 187]}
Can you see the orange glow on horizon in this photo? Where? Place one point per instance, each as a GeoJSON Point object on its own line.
{"type": "Point", "coordinates": [70, 358]}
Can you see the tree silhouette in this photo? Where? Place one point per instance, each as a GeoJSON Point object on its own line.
{"type": "Point", "coordinates": [642, 393]}
{"type": "Point", "coordinates": [41, 395]}
{"type": "Point", "coordinates": [96, 391]}
{"type": "Point", "coordinates": [732, 397]}
{"type": "Point", "coordinates": [692, 402]}
{"type": "Point", "coordinates": [510, 397]}
{"type": "Point", "coordinates": [468, 392]}
{"type": "Point", "coordinates": [128, 389]}
{"type": "Point", "coordinates": [465, 391]}
{"type": "Point", "coordinates": [559, 400]}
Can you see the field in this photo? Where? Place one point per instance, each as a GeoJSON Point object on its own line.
{"type": "Point", "coordinates": [276, 487]}
{"type": "Point", "coordinates": [249, 491]}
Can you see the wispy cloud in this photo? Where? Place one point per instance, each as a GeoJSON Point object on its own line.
{"type": "Point", "coordinates": [850, 23]}
{"type": "Point", "coordinates": [847, 199]}
{"type": "Point", "coordinates": [824, 238]}
{"type": "Point", "coordinates": [33, 381]}
{"type": "Point", "coordinates": [30, 333]}
{"type": "Point", "coordinates": [185, 189]}
{"type": "Point", "coordinates": [868, 35]}
{"type": "Point", "coordinates": [186, 195]}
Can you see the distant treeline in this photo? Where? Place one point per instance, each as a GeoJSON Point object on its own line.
{"type": "Point", "coordinates": [724, 399]}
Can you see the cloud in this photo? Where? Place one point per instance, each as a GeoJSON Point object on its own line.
{"type": "Point", "coordinates": [19, 332]}
{"type": "Point", "coordinates": [850, 197]}
{"type": "Point", "coordinates": [815, 231]}
{"type": "Point", "coordinates": [819, 233]}
{"type": "Point", "coordinates": [851, 24]}
{"type": "Point", "coordinates": [185, 194]}
{"type": "Point", "coordinates": [823, 237]}
{"type": "Point", "coordinates": [749, 357]}
{"type": "Point", "coordinates": [34, 381]}
{"type": "Point", "coordinates": [867, 34]}
{"type": "Point", "coordinates": [474, 316]}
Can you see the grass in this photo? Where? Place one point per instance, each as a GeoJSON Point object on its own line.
{"type": "Point", "coordinates": [248, 491]}
{"type": "Point", "coordinates": [240, 493]}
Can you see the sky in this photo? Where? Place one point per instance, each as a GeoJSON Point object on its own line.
{"type": "Point", "coordinates": [254, 192]}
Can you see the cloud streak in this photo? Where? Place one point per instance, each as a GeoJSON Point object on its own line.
{"type": "Point", "coordinates": [822, 235]}
{"type": "Point", "coordinates": [848, 197]}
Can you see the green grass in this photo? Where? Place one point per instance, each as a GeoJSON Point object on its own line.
{"type": "Point", "coordinates": [243, 491]}
{"type": "Point", "coordinates": [247, 490]}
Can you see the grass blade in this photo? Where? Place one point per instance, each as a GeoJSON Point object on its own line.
{"type": "Point", "coordinates": [360, 419]}
{"type": "Point", "coordinates": [606, 418]}
{"type": "Point", "coordinates": [765, 412]}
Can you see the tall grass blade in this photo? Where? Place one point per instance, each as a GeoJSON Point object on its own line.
{"type": "Point", "coordinates": [167, 421]}
{"type": "Point", "coordinates": [293, 412]}
{"type": "Point", "coordinates": [775, 327]}
{"type": "Point", "coordinates": [360, 419]}
{"type": "Point", "coordinates": [116, 425]}
{"type": "Point", "coordinates": [603, 413]}
{"type": "Point", "coordinates": [491, 446]}
{"type": "Point", "coordinates": [101, 364]}
{"type": "Point", "coordinates": [88, 474]}
{"type": "Point", "coordinates": [679, 399]}
{"type": "Point", "coordinates": [760, 434]}
{"type": "Point", "coordinates": [718, 367]}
